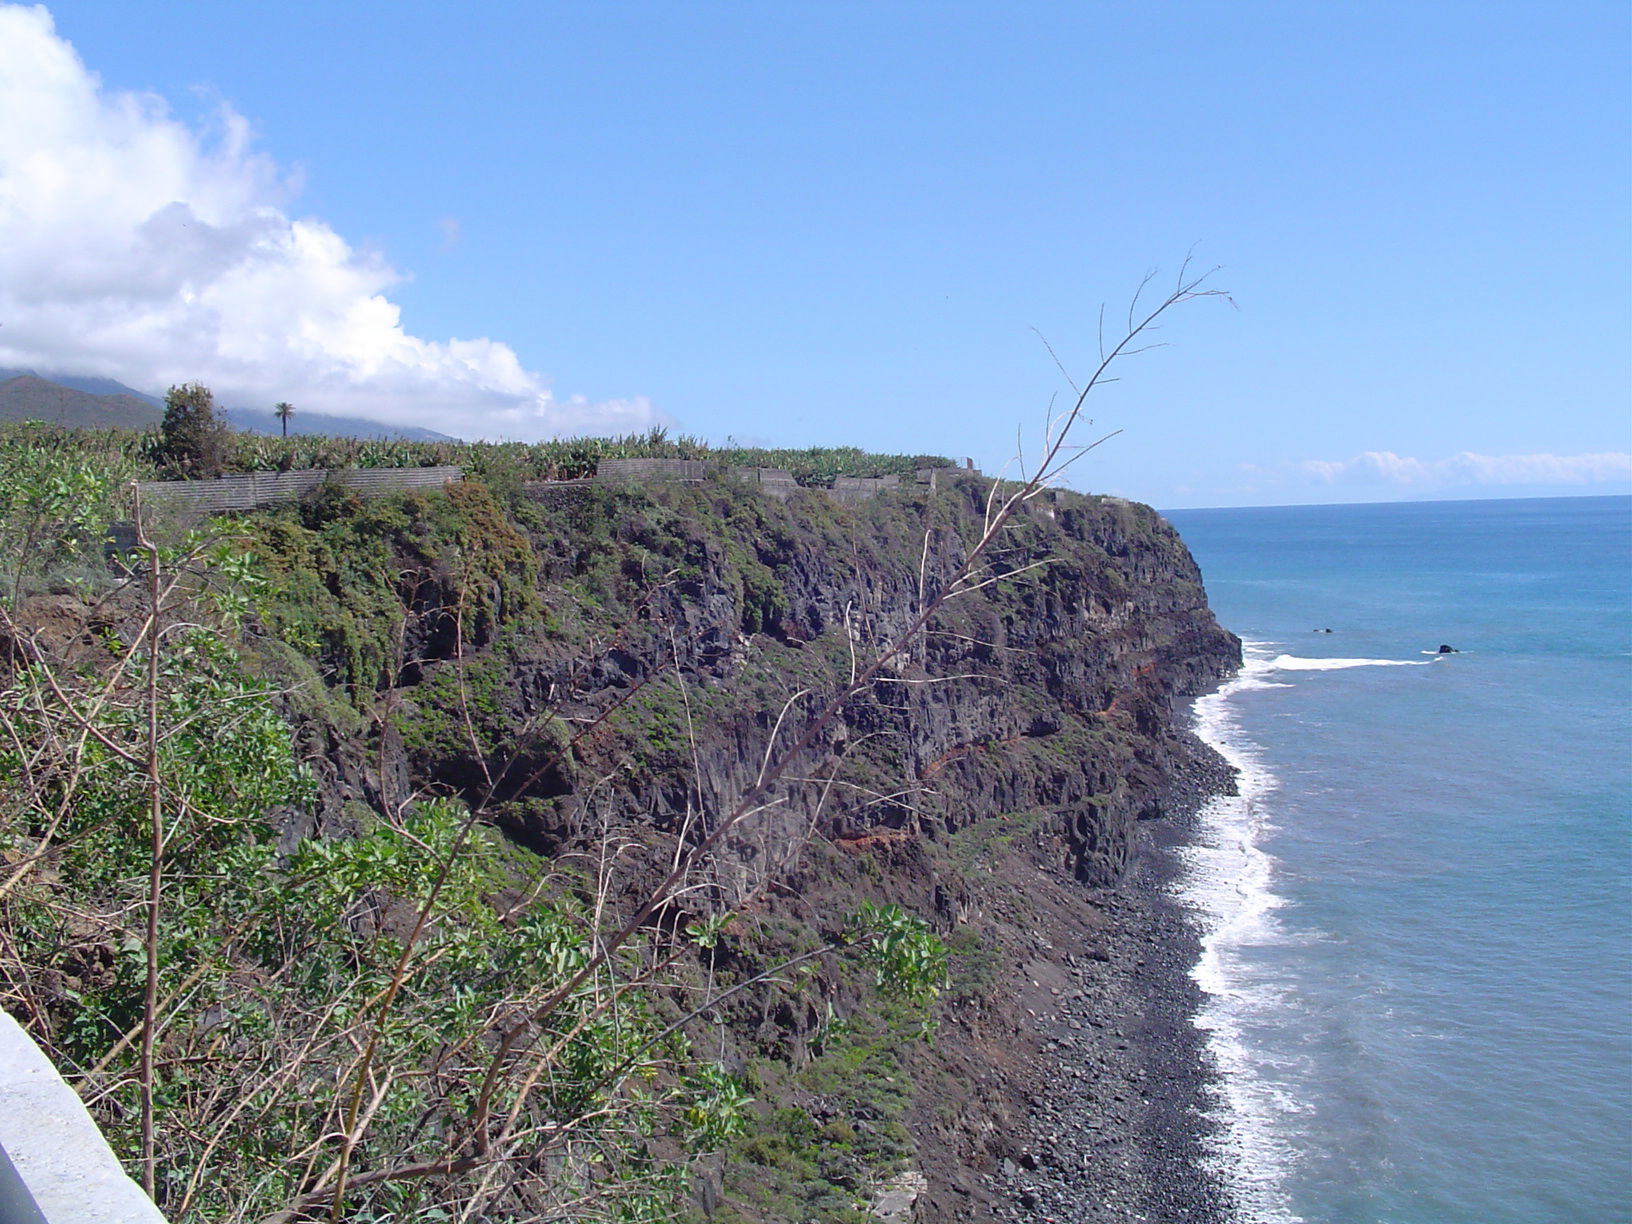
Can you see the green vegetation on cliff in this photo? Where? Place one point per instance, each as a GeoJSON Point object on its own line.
{"type": "Point", "coordinates": [153, 454]}
{"type": "Point", "coordinates": [409, 1013]}
{"type": "Point", "coordinates": [561, 853]}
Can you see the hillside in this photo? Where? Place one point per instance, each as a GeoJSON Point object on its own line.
{"type": "Point", "coordinates": [328, 425]}
{"type": "Point", "coordinates": [811, 787]}
{"type": "Point", "coordinates": [102, 403]}
{"type": "Point", "coordinates": [27, 397]}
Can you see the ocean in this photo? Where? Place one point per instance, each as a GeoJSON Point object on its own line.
{"type": "Point", "coordinates": [1417, 914]}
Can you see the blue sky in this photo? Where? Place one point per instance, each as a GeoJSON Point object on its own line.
{"type": "Point", "coordinates": [847, 223]}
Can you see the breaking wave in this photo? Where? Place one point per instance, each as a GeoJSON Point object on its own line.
{"type": "Point", "coordinates": [1228, 885]}
{"type": "Point", "coordinates": [1288, 662]}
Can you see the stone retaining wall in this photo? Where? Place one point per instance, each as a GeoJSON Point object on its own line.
{"type": "Point", "coordinates": [776, 482]}
{"type": "Point", "coordinates": [629, 471]}
{"type": "Point", "coordinates": [858, 488]}
{"type": "Point", "coordinates": [259, 489]}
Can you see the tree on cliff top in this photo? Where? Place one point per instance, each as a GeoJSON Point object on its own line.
{"type": "Point", "coordinates": [194, 440]}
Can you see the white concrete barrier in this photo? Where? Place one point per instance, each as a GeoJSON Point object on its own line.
{"type": "Point", "coordinates": [56, 1148]}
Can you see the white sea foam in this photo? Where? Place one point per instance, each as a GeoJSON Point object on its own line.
{"type": "Point", "coordinates": [1228, 884]}
{"type": "Point", "coordinates": [1287, 662]}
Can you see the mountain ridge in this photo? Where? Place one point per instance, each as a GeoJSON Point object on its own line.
{"type": "Point", "coordinates": [104, 403]}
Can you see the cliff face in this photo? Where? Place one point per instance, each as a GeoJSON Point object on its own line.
{"type": "Point", "coordinates": [1048, 690]}
{"type": "Point", "coordinates": [719, 721]}
{"type": "Point", "coordinates": [993, 778]}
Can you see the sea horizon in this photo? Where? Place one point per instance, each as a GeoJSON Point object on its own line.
{"type": "Point", "coordinates": [1398, 501]}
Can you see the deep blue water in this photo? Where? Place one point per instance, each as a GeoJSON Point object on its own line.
{"type": "Point", "coordinates": [1418, 914]}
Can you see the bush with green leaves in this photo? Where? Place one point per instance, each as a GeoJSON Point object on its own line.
{"type": "Point", "coordinates": [259, 1028]}
{"type": "Point", "coordinates": [382, 1025]}
{"type": "Point", "coordinates": [195, 441]}
{"type": "Point", "coordinates": [56, 501]}
{"type": "Point", "coordinates": [178, 452]}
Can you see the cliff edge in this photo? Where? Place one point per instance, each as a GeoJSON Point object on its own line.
{"type": "Point", "coordinates": [632, 821]}
{"type": "Point", "coordinates": [997, 778]}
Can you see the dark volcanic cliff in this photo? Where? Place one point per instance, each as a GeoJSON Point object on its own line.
{"type": "Point", "coordinates": [993, 778]}
{"type": "Point", "coordinates": [1051, 689]}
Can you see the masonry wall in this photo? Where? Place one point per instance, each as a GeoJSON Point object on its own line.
{"type": "Point", "coordinates": [259, 489]}
{"type": "Point", "coordinates": [775, 482]}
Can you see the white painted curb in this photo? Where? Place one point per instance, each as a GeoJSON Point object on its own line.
{"type": "Point", "coordinates": [57, 1149]}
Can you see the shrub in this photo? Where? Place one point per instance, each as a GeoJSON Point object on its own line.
{"type": "Point", "coordinates": [194, 441]}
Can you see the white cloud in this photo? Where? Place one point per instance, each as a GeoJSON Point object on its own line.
{"type": "Point", "coordinates": [1324, 468]}
{"type": "Point", "coordinates": [1470, 469]}
{"type": "Point", "coordinates": [136, 247]}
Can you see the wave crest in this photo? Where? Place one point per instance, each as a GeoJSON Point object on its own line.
{"type": "Point", "coordinates": [1288, 662]}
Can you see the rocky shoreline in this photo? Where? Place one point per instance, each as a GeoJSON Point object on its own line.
{"type": "Point", "coordinates": [1113, 1123]}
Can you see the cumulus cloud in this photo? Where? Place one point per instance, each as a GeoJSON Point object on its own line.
{"type": "Point", "coordinates": [1470, 469]}
{"type": "Point", "coordinates": [137, 247]}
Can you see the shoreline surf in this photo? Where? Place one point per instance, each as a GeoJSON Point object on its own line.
{"type": "Point", "coordinates": [1225, 882]}
{"type": "Point", "coordinates": [1412, 919]}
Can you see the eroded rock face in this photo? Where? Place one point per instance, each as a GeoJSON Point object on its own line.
{"type": "Point", "coordinates": [1050, 691]}
{"type": "Point", "coordinates": [685, 625]}
{"type": "Point", "coordinates": [992, 778]}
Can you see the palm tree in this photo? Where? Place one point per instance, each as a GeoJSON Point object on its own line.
{"type": "Point", "coordinates": [283, 411]}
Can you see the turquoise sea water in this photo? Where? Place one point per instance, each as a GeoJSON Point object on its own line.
{"type": "Point", "coordinates": [1418, 914]}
